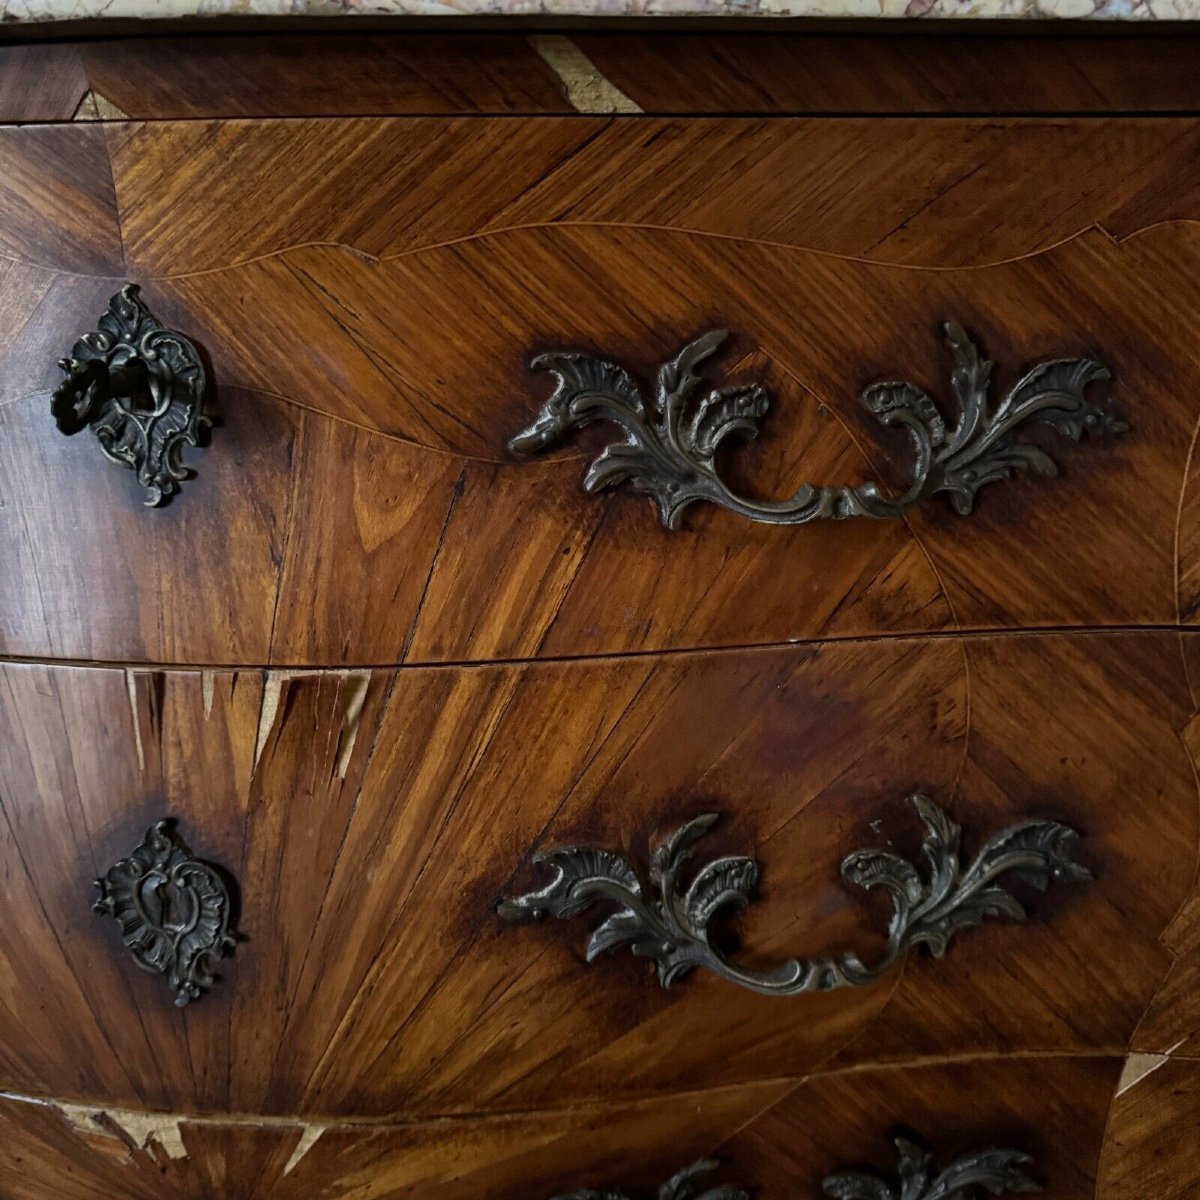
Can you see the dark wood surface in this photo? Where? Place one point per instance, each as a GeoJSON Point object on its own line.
{"type": "Point", "coordinates": [395, 74]}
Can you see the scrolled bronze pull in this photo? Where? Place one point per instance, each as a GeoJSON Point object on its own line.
{"type": "Point", "coordinates": [671, 438]}
{"type": "Point", "coordinates": [995, 1171]}
{"type": "Point", "coordinates": [140, 389]}
{"type": "Point", "coordinates": [663, 917]}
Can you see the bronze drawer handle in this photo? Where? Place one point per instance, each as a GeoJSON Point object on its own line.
{"type": "Point", "coordinates": [174, 911]}
{"type": "Point", "coordinates": [993, 1171]}
{"type": "Point", "coordinates": [140, 389]}
{"type": "Point", "coordinates": [670, 444]}
{"type": "Point", "coordinates": [668, 920]}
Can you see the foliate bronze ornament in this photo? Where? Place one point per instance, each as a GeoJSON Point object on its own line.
{"type": "Point", "coordinates": [667, 919]}
{"type": "Point", "coordinates": [174, 911]}
{"type": "Point", "coordinates": [994, 1172]}
{"type": "Point", "coordinates": [140, 389]}
{"type": "Point", "coordinates": [671, 438]}
{"type": "Point", "coordinates": [685, 1185]}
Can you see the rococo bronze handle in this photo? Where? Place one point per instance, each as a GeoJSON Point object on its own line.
{"type": "Point", "coordinates": [671, 437]}
{"type": "Point", "coordinates": [140, 389]}
{"type": "Point", "coordinates": [994, 1171]}
{"type": "Point", "coordinates": [667, 918]}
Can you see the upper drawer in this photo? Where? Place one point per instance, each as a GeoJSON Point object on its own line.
{"type": "Point", "coordinates": [368, 294]}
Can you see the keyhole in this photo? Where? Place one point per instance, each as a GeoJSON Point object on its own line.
{"type": "Point", "coordinates": [168, 906]}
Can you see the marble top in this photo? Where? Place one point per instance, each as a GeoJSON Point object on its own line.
{"type": "Point", "coordinates": [1103, 10]}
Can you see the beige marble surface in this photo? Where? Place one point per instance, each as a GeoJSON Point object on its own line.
{"type": "Point", "coordinates": [1103, 10]}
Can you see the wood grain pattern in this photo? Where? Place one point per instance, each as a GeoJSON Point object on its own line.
{"type": "Point", "coordinates": [398, 73]}
{"type": "Point", "coordinates": [958, 1107]}
{"type": "Point", "coordinates": [430, 552]}
{"type": "Point", "coordinates": [775, 1139]}
{"type": "Point", "coordinates": [367, 291]}
{"type": "Point", "coordinates": [1151, 1146]}
{"type": "Point", "coordinates": [954, 192]}
{"type": "Point", "coordinates": [43, 1150]}
{"type": "Point", "coordinates": [329, 74]}
{"type": "Point", "coordinates": [425, 546]}
{"type": "Point", "coordinates": [56, 200]}
{"type": "Point", "coordinates": [41, 82]}
{"type": "Point", "coordinates": [407, 800]}
{"type": "Point", "coordinates": [792, 73]}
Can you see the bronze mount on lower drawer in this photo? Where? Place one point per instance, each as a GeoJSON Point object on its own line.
{"type": "Point", "coordinates": [994, 1171]}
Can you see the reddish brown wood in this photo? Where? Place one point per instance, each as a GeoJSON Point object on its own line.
{"type": "Point", "coordinates": [958, 1107]}
{"type": "Point", "coordinates": [367, 292]}
{"type": "Point", "coordinates": [958, 192]}
{"type": "Point", "coordinates": [1150, 1143]}
{"type": "Point", "coordinates": [771, 1138]}
{"type": "Point", "coordinates": [57, 209]}
{"type": "Point", "coordinates": [436, 552]}
{"type": "Point", "coordinates": [79, 1157]}
{"type": "Point", "coordinates": [385, 985]}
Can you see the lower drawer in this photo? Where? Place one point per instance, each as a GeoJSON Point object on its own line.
{"type": "Point", "coordinates": [372, 820]}
{"type": "Point", "coordinates": [774, 1139]}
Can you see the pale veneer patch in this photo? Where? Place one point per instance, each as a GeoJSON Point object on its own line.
{"type": "Point", "coordinates": [138, 1128]}
{"type": "Point", "coordinates": [587, 90]}
{"type": "Point", "coordinates": [94, 107]}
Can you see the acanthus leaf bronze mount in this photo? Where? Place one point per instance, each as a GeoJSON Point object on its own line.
{"type": "Point", "coordinates": [140, 388]}
{"type": "Point", "coordinates": [671, 436]}
{"type": "Point", "coordinates": [994, 1171]}
{"type": "Point", "coordinates": [663, 916]}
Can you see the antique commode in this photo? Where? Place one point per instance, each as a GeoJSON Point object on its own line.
{"type": "Point", "coordinates": [599, 611]}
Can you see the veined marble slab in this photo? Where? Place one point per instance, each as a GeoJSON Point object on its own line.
{"type": "Point", "coordinates": [1103, 10]}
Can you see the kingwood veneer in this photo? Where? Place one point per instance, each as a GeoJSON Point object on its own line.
{"type": "Point", "coordinates": [371, 665]}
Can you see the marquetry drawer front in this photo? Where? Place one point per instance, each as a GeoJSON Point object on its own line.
{"type": "Point", "coordinates": [353, 842]}
{"type": "Point", "coordinates": [387, 481]}
{"type": "Point", "coordinates": [1016, 1123]}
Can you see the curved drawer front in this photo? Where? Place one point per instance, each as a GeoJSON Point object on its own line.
{"type": "Point", "coordinates": [1001, 1123]}
{"type": "Point", "coordinates": [367, 824]}
{"type": "Point", "coordinates": [368, 314]}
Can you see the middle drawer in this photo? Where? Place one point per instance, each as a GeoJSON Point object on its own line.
{"type": "Point", "coordinates": [373, 819]}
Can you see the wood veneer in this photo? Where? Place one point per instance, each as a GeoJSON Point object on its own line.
{"type": "Point", "coordinates": [393, 74]}
{"type": "Point", "coordinates": [360, 466]}
{"type": "Point", "coordinates": [386, 985]}
{"type": "Point", "coordinates": [499, 663]}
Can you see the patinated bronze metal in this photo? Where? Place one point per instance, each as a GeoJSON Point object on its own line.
{"type": "Point", "coordinates": [140, 389]}
{"type": "Point", "coordinates": [671, 438]}
{"type": "Point", "coordinates": [174, 911]}
{"type": "Point", "coordinates": [685, 1185]}
{"type": "Point", "coordinates": [992, 1172]}
{"type": "Point", "coordinates": [667, 919]}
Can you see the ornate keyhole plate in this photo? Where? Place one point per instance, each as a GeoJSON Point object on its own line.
{"type": "Point", "coordinates": [174, 911]}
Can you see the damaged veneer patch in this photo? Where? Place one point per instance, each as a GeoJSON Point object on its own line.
{"type": "Point", "coordinates": [160, 1135]}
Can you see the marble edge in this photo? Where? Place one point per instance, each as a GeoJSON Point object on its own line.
{"type": "Point", "coordinates": [47, 11]}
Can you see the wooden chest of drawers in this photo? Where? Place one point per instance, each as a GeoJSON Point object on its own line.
{"type": "Point", "coordinates": [382, 681]}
